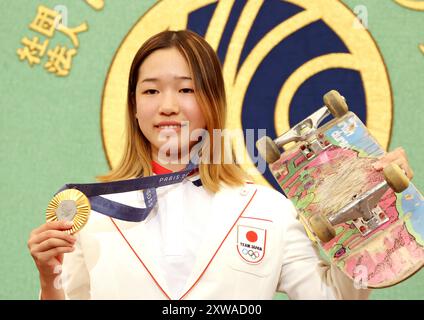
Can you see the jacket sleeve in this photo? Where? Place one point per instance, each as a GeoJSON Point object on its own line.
{"type": "Point", "coordinates": [75, 276]}
{"type": "Point", "coordinates": [303, 274]}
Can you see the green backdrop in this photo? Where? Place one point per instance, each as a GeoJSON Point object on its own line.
{"type": "Point", "coordinates": [50, 126]}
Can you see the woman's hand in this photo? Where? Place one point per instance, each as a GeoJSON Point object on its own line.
{"type": "Point", "coordinates": [397, 156]}
{"type": "Point", "coordinates": [47, 244]}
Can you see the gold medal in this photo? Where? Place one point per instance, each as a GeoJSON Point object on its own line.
{"type": "Point", "coordinates": [69, 205]}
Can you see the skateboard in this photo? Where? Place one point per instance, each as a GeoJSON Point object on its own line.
{"type": "Point", "coordinates": [368, 223]}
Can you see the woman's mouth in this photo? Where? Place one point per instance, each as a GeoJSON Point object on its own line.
{"type": "Point", "coordinates": [171, 125]}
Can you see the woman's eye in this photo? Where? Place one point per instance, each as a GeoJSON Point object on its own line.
{"type": "Point", "coordinates": [150, 91]}
{"type": "Point", "coordinates": [187, 90]}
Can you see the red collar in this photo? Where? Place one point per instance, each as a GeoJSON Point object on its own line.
{"type": "Point", "coordinates": [158, 169]}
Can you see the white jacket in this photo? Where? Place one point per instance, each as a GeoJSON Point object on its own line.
{"type": "Point", "coordinates": [115, 259]}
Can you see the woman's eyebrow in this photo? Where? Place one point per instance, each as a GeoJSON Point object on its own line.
{"type": "Point", "coordinates": [183, 78]}
{"type": "Point", "coordinates": [175, 77]}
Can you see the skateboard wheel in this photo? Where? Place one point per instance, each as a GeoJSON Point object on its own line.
{"type": "Point", "coordinates": [268, 149]}
{"type": "Point", "coordinates": [395, 177]}
{"type": "Point", "coordinates": [322, 228]}
{"type": "Point", "coordinates": [335, 103]}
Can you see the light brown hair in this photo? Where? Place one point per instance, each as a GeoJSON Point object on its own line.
{"type": "Point", "coordinates": [210, 93]}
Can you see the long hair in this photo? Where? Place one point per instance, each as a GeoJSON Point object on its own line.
{"type": "Point", "coordinates": [210, 94]}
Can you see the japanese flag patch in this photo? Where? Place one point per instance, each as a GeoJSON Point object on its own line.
{"type": "Point", "coordinates": [251, 243]}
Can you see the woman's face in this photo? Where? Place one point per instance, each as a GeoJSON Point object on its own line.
{"type": "Point", "coordinates": [166, 101]}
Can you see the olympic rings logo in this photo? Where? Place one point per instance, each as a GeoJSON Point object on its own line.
{"type": "Point", "coordinates": [251, 253]}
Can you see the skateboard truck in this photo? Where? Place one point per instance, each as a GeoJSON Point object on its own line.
{"type": "Point", "coordinates": [364, 210]}
{"type": "Point", "coordinates": [306, 131]}
{"type": "Point", "coordinates": [334, 104]}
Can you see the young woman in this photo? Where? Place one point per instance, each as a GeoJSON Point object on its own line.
{"type": "Point", "coordinates": [212, 236]}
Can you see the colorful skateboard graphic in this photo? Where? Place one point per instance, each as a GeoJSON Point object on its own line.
{"type": "Point", "coordinates": [372, 233]}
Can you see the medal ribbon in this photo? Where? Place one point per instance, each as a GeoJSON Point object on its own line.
{"type": "Point", "coordinates": [121, 211]}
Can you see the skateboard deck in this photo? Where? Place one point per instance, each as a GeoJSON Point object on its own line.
{"type": "Point", "coordinates": [328, 181]}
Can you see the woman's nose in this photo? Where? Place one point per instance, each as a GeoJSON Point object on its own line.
{"type": "Point", "coordinates": [169, 105]}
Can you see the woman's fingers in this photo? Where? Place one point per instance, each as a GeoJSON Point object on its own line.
{"type": "Point", "coordinates": [52, 243]}
{"type": "Point", "coordinates": [50, 230]}
{"type": "Point", "coordinates": [397, 156]}
{"type": "Point", "coordinates": [50, 234]}
{"type": "Point", "coordinates": [47, 245]}
{"type": "Point", "coordinates": [54, 225]}
{"type": "Point", "coordinates": [46, 256]}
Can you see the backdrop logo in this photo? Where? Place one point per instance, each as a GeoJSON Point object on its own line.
{"type": "Point", "coordinates": [279, 58]}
